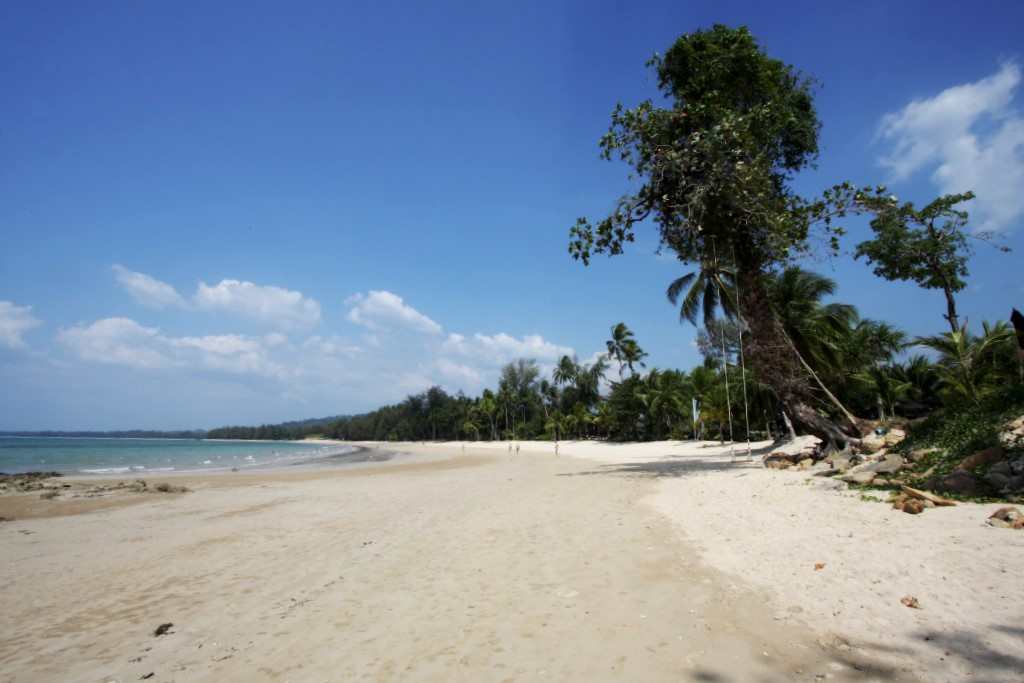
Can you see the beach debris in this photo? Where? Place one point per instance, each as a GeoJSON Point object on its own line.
{"type": "Point", "coordinates": [27, 481]}
{"type": "Point", "coordinates": [910, 601]}
{"type": "Point", "coordinates": [162, 629]}
{"type": "Point", "coordinates": [145, 676]}
{"type": "Point", "coordinates": [164, 487]}
{"type": "Point", "coordinates": [925, 495]}
{"type": "Point", "coordinates": [818, 566]}
{"type": "Point", "coordinates": [1007, 518]}
{"type": "Point", "coordinates": [6, 519]}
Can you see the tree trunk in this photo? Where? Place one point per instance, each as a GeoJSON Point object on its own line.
{"type": "Point", "coordinates": [777, 361]}
{"type": "Point", "coordinates": [954, 321]}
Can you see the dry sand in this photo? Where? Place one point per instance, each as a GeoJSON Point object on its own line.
{"type": "Point", "coordinates": [651, 562]}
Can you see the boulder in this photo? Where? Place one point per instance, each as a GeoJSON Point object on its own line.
{"type": "Point", "coordinates": [1017, 465]}
{"type": "Point", "coordinates": [872, 443]}
{"type": "Point", "coordinates": [996, 480]}
{"type": "Point", "coordinates": [1007, 518]}
{"type": "Point", "coordinates": [890, 464]}
{"type": "Point", "coordinates": [894, 436]}
{"type": "Point", "coordinates": [960, 481]}
{"type": "Point", "coordinates": [862, 477]}
{"type": "Point", "coordinates": [1014, 484]}
{"type": "Point", "coordinates": [806, 463]}
{"type": "Point", "coordinates": [841, 462]}
{"type": "Point", "coordinates": [777, 462]}
{"type": "Point", "coordinates": [1001, 468]}
{"type": "Point", "coordinates": [987, 456]}
{"type": "Point", "coordinates": [1012, 435]}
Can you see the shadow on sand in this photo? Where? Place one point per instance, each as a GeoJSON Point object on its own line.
{"type": "Point", "coordinates": [682, 465]}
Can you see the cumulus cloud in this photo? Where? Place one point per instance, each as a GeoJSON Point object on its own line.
{"type": "Point", "coordinates": [117, 341]}
{"type": "Point", "coordinates": [459, 374]}
{"type": "Point", "coordinates": [147, 290]}
{"type": "Point", "coordinates": [970, 137]}
{"type": "Point", "coordinates": [15, 321]}
{"type": "Point", "coordinates": [502, 348]}
{"type": "Point", "coordinates": [383, 309]}
{"type": "Point", "coordinates": [264, 303]}
{"type": "Point", "coordinates": [122, 341]}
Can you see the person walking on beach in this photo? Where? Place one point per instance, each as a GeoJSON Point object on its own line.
{"type": "Point", "coordinates": [517, 449]}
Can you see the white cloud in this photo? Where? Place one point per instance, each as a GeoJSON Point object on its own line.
{"type": "Point", "coordinates": [461, 375]}
{"type": "Point", "coordinates": [275, 306]}
{"type": "Point", "coordinates": [331, 346]}
{"type": "Point", "coordinates": [972, 138]}
{"type": "Point", "coordinates": [14, 322]}
{"type": "Point", "coordinates": [502, 348]}
{"type": "Point", "coordinates": [117, 341]}
{"type": "Point", "coordinates": [147, 290]}
{"type": "Point", "coordinates": [122, 341]}
{"type": "Point", "coordinates": [380, 309]}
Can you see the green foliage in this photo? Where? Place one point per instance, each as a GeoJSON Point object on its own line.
{"type": "Point", "coordinates": [927, 246]}
{"type": "Point", "coordinates": [957, 431]}
{"type": "Point", "coordinates": [714, 167]}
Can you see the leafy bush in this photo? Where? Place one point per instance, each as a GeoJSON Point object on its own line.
{"type": "Point", "coordinates": [962, 430]}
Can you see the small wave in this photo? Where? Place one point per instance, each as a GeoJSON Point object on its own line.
{"type": "Point", "coordinates": [108, 470]}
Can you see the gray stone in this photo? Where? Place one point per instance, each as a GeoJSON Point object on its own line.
{"type": "Point", "coordinates": [1001, 468]}
{"type": "Point", "coordinates": [996, 480]}
{"type": "Point", "coordinates": [1017, 465]}
{"type": "Point", "coordinates": [891, 464]}
{"type": "Point", "coordinates": [861, 477]}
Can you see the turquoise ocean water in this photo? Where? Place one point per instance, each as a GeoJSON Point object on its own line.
{"type": "Point", "coordinates": [122, 456]}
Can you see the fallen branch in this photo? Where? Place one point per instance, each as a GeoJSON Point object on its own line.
{"type": "Point", "coordinates": [924, 495]}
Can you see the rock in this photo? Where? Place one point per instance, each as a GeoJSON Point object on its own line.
{"type": "Point", "coordinates": [1001, 468]}
{"type": "Point", "coordinates": [891, 464]}
{"type": "Point", "coordinates": [894, 436]}
{"type": "Point", "coordinates": [841, 462]}
{"type": "Point", "coordinates": [988, 456]}
{"type": "Point", "coordinates": [777, 463]}
{"type": "Point", "coordinates": [962, 482]}
{"type": "Point", "coordinates": [912, 506]}
{"type": "Point", "coordinates": [1013, 433]}
{"type": "Point", "coordinates": [1008, 518]}
{"type": "Point", "coordinates": [996, 480]}
{"type": "Point", "coordinates": [1017, 465]}
{"type": "Point", "coordinates": [1014, 484]}
{"type": "Point", "coordinates": [806, 463]}
{"type": "Point", "coordinates": [872, 443]}
{"type": "Point", "coordinates": [163, 629]}
{"type": "Point", "coordinates": [919, 454]}
{"type": "Point", "coordinates": [880, 481]}
{"type": "Point", "coordinates": [862, 477]}
{"type": "Point", "coordinates": [910, 601]}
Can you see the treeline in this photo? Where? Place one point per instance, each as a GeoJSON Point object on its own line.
{"type": "Point", "coordinates": [294, 430]}
{"type": "Point", "coordinates": [861, 363]}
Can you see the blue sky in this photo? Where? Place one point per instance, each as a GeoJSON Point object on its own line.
{"type": "Point", "coordinates": [251, 212]}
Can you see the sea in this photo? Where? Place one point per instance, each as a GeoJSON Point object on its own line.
{"type": "Point", "coordinates": [78, 455]}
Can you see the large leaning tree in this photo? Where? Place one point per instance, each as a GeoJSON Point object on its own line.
{"type": "Point", "coordinates": [714, 168]}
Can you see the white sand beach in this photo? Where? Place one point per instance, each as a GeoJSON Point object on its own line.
{"type": "Point", "coordinates": [642, 562]}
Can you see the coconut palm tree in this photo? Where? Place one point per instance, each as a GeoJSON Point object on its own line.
{"type": "Point", "coordinates": [624, 348]}
{"type": "Point", "coordinates": [966, 361]}
{"type": "Point", "coordinates": [704, 292]}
